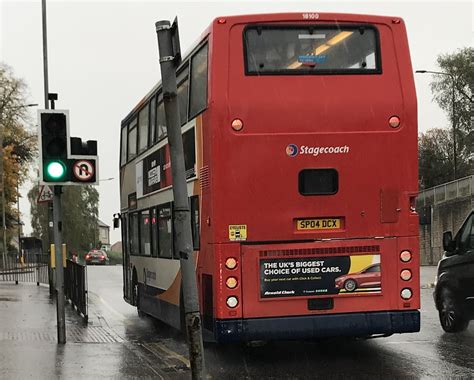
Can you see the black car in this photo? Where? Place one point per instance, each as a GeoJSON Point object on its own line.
{"type": "Point", "coordinates": [454, 291]}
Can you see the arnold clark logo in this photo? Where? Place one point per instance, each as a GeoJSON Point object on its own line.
{"type": "Point", "coordinates": [293, 150]}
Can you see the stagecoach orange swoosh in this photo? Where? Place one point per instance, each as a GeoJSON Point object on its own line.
{"type": "Point", "coordinates": [171, 295]}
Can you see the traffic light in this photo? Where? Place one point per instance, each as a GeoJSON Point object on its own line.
{"type": "Point", "coordinates": [54, 146]}
{"type": "Point", "coordinates": [65, 160]}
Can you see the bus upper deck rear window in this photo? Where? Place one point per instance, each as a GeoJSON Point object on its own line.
{"type": "Point", "coordinates": [286, 50]}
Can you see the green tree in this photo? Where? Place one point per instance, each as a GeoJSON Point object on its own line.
{"type": "Point", "coordinates": [80, 217]}
{"type": "Point", "coordinates": [435, 158]}
{"type": "Point", "coordinates": [460, 67]}
{"type": "Point", "coordinates": [17, 142]}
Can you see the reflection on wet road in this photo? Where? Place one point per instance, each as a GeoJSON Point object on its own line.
{"type": "Point", "coordinates": [430, 353]}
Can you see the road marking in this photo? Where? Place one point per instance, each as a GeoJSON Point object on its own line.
{"type": "Point", "coordinates": [110, 308]}
{"type": "Point", "coordinates": [172, 354]}
{"type": "Point", "coordinates": [411, 341]}
{"type": "Point", "coordinates": [159, 346]}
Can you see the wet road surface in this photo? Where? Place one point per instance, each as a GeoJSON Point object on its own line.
{"type": "Point", "coordinates": [428, 354]}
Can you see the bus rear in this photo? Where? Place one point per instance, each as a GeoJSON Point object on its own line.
{"type": "Point", "coordinates": [313, 179]}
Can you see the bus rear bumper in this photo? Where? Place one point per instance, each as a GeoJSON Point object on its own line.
{"type": "Point", "coordinates": [314, 326]}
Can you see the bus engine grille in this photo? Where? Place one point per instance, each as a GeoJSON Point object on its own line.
{"type": "Point", "coordinates": [320, 251]}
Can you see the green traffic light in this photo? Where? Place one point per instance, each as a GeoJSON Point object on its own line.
{"type": "Point", "coordinates": [55, 169]}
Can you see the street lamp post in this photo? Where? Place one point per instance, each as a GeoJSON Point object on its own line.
{"type": "Point", "coordinates": [453, 118]}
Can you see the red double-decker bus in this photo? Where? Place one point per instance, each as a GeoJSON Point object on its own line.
{"type": "Point", "coordinates": [300, 141]}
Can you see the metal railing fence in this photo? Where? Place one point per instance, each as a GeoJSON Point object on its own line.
{"type": "Point", "coordinates": [460, 188]}
{"type": "Point", "coordinates": [29, 266]}
{"type": "Point", "coordinates": [75, 286]}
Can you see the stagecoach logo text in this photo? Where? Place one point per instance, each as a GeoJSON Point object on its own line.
{"type": "Point", "coordinates": [293, 150]}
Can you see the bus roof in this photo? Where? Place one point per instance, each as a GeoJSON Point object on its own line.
{"type": "Point", "coordinates": [272, 17]}
{"type": "Point", "coordinates": [308, 17]}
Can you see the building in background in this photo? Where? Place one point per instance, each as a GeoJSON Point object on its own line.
{"type": "Point", "coordinates": [104, 236]}
{"type": "Point", "coordinates": [116, 247]}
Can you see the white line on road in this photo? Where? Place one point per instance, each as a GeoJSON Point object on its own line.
{"type": "Point", "coordinates": [173, 354]}
{"type": "Point", "coordinates": [110, 308]}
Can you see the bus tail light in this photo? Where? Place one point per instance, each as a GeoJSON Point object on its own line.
{"type": "Point", "coordinates": [237, 125]}
{"type": "Point", "coordinates": [232, 302]}
{"type": "Point", "coordinates": [231, 282]}
{"type": "Point", "coordinates": [406, 293]}
{"type": "Point", "coordinates": [405, 274]}
{"type": "Point", "coordinates": [231, 263]}
{"type": "Point", "coordinates": [394, 121]}
{"type": "Point", "coordinates": [405, 256]}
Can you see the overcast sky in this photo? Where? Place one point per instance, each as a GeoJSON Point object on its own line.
{"type": "Point", "coordinates": [103, 57]}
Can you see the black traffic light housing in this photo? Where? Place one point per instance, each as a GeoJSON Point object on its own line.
{"type": "Point", "coordinates": [64, 160]}
{"type": "Point", "coordinates": [54, 146]}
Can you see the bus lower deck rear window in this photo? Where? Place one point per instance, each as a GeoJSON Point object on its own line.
{"type": "Point", "coordinates": [318, 182]}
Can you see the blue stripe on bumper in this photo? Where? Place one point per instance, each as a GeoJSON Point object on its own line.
{"type": "Point", "coordinates": [314, 326]}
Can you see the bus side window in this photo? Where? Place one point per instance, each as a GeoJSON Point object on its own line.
{"type": "Point", "coordinates": [160, 120]}
{"type": "Point", "coordinates": [133, 234]}
{"type": "Point", "coordinates": [151, 128]}
{"type": "Point", "coordinates": [145, 237]}
{"type": "Point", "coordinates": [165, 236]}
{"type": "Point", "coordinates": [123, 146]}
{"type": "Point", "coordinates": [183, 85]}
{"type": "Point", "coordinates": [143, 129]}
{"type": "Point", "coordinates": [125, 239]}
{"type": "Point", "coordinates": [198, 90]}
{"type": "Point", "coordinates": [154, 233]}
{"type": "Point", "coordinates": [132, 140]}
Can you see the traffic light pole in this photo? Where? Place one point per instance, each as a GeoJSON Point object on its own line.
{"type": "Point", "coordinates": [60, 301]}
{"type": "Point", "coordinates": [181, 211]}
{"type": "Point", "coordinates": [58, 253]}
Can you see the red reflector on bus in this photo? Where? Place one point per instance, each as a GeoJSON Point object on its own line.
{"type": "Point", "coordinates": [231, 282]}
{"type": "Point", "coordinates": [237, 125]}
{"type": "Point", "coordinates": [221, 21]}
{"type": "Point", "coordinates": [394, 121]}
{"type": "Point", "coordinates": [405, 275]}
{"type": "Point", "coordinates": [231, 263]}
{"type": "Point", "coordinates": [405, 256]}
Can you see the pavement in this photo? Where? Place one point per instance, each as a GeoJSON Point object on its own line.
{"type": "Point", "coordinates": [28, 336]}
{"type": "Point", "coordinates": [28, 347]}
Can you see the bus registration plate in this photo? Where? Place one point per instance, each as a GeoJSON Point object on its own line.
{"type": "Point", "coordinates": [318, 224]}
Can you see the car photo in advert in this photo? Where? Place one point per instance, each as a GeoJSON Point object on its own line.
{"type": "Point", "coordinates": [312, 276]}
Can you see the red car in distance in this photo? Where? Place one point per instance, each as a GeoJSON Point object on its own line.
{"type": "Point", "coordinates": [366, 278]}
{"type": "Point", "coordinates": [96, 257]}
